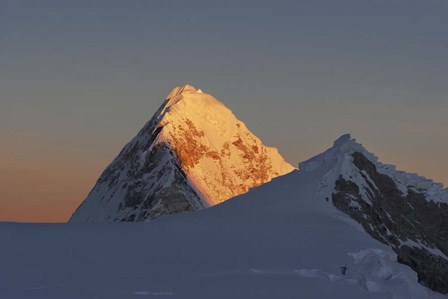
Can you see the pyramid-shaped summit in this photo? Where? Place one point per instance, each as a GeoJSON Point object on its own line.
{"type": "Point", "coordinates": [192, 154]}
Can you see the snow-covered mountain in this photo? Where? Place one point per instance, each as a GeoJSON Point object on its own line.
{"type": "Point", "coordinates": [405, 211]}
{"type": "Point", "coordinates": [343, 219]}
{"type": "Point", "coordinates": [193, 153]}
{"type": "Point", "coordinates": [283, 239]}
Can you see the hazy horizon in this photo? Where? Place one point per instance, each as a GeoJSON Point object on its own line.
{"type": "Point", "coordinates": [79, 79]}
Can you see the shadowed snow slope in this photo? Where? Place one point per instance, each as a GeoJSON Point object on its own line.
{"type": "Point", "coordinates": [193, 153]}
{"type": "Point", "coordinates": [280, 240]}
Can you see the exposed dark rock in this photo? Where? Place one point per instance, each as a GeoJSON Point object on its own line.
{"type": "Point", "coordinates": [394, 218]}
{"type": "Point", "coordinates": [165, 197]}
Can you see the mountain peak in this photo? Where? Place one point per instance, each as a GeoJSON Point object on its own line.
{"type": "Point", "coordinates": [341, 150]}
{"type": "Point", "coordinates": [193, 153]}
{"type": "Point", "coordinates": [339, 160]}
{"type": "Point", "coordinates": [343, 139]}
{"type": "Point", "coordinates": [347, 144]}
{"type": "Point", "coordinates": [181, 89]}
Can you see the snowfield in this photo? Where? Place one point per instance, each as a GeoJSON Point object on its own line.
{"type": "Point", "coordinates": [280, 240]}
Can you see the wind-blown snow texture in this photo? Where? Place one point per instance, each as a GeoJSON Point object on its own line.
{"type": "Point", "coordinates": [193, 153]}
{"type": "Point", "coordinates": [280, 240]}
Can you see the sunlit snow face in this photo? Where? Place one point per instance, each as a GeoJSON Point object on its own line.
{"type": "Point", "coordinates": [193, 153]}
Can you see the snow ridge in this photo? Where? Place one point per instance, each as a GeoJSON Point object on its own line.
{"type": "Point", "coordinates": [338, 159]}
{"type": "Point", "coordinates": [405, 211]}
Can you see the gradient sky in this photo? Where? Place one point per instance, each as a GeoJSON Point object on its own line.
{"type": "Point", "coordinates": [78, 79]}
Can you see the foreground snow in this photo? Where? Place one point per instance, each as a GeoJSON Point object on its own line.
{"type": "Point", "coordinates": [280, 240]}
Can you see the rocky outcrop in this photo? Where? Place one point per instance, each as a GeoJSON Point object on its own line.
{"type": "Point", "coordinates": [415, 227]}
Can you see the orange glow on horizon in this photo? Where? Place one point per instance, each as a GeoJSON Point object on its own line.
{"type": "Point", "coordinates": [50, 192]}
{"type": "Point", "coordinates": [44, 183]}
{"type": "Point", "coordinates": [44, 192]}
